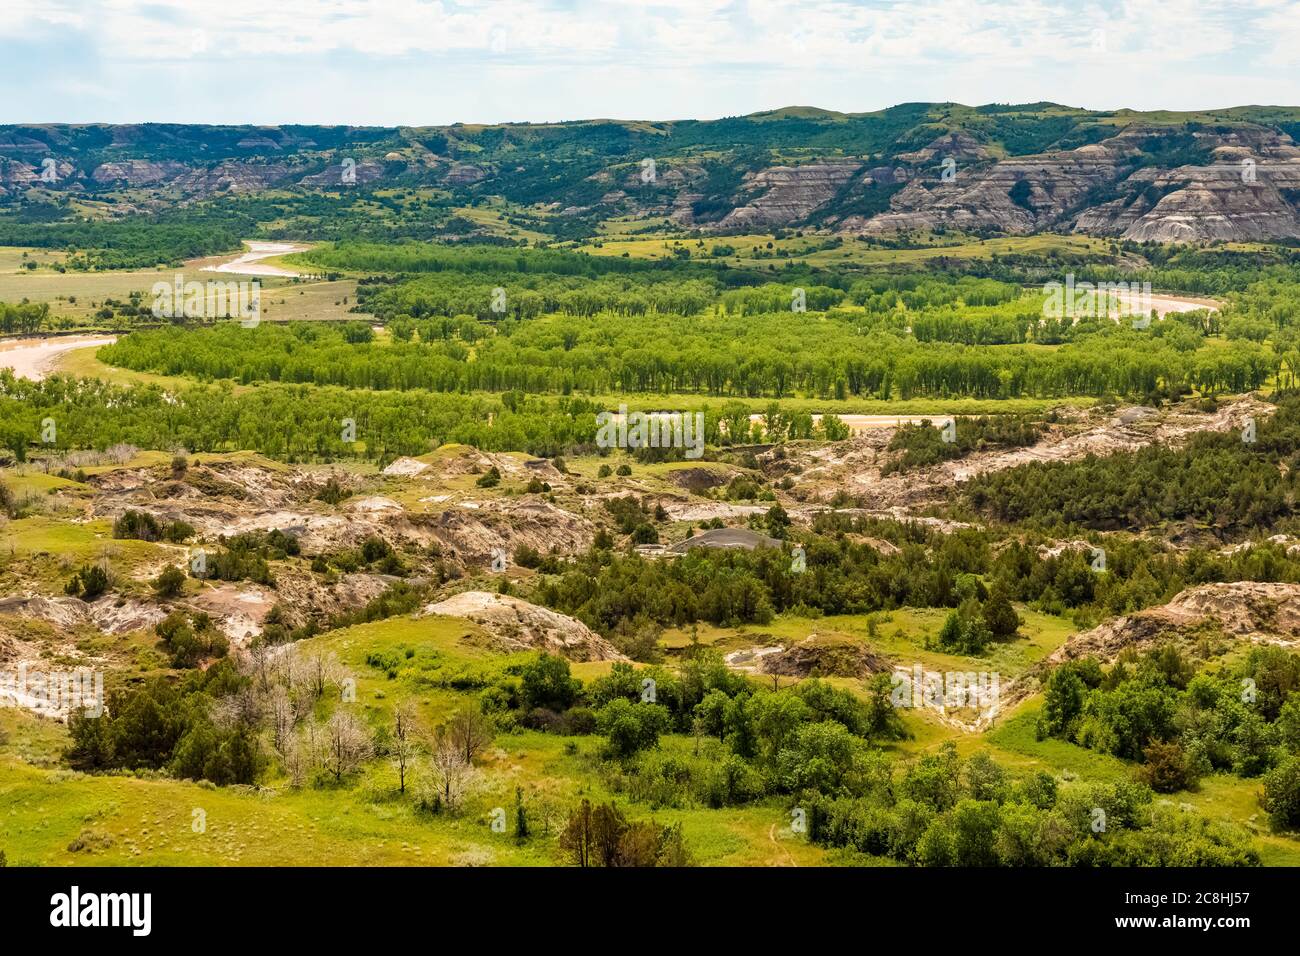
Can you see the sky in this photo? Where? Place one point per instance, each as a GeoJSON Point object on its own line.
{"type": "Point", "coordinates": [434, 62]}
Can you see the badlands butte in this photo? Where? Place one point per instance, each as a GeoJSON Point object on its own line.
{"type": "Point", "coordinates": [999, 169]}
{"type": "Point", "coordinates": [363, 579]}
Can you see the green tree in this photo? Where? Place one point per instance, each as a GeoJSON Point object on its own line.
{"type": "Point", "coordinates": [169, 583]}
{"type": "Point", "coordinates": [546, 682]}
{"type": "Point", "coordinates": [1281, 799]}
{"type": "Point", "coordinates": [631, 727]}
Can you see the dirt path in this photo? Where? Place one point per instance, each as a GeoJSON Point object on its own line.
{"type": "Point", "coordinates": [789, 860]}
{"type": "Point", "coordinates": [35, 357]}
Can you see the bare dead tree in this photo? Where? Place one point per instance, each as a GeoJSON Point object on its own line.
{"type": "Point", "coordinates": [322, 670]}
{"type": "Point", "coordinates": [405, 740]}
{"type": "Point", "coordinates": [283, 715]}
{"type": "Point", "coordinates": [347, 745]}
{"type": "Point", "coordinates": [261, 659]}
{"type": "Point", "coordinates": [244, 708]}
{"type": "Point", "coordinates": [547, 811]}
{"type": "Point", "coordinates": [451, 771]}
{"type": "Point", "coordinates": [312, 737]}
{"type": "Point", "coordinates": [286, 667]}
{"type": "Point", "coordinates": [250, 706]}
{"type": "Point", "coordinates": [296, 752]}
{"type": "Point", "coordinates": [296, 677]}
{"type": "Point", "coordinates": [471, 731]}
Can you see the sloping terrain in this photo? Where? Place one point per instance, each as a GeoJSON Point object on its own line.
{"type": "Point", "coordinates": [1256, 611]}
{"type": "Point", "coordinates": [857, 464]}
{"type": "Point", "coordinates": [1241, 186]}
{"type": "Point", "coordinates": [1248, 612]}
{"type": "Point", "coordinates": [517, 625]}
{"type": "Point", "coordinates": [1227, 174]}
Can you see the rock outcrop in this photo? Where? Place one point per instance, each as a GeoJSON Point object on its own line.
{"type": "Point", "coordinates": [1251, 611]}
{"type": "Point", "coordinates": [234, 177]}
{"type": "Point", "coordinates": [108, 614]}
{"type": "Point", "coordinates": [1016, 196]}
{"type": "Point", "coordinates": [1136, 176]}
{"type": "Point", "coordinates": [1258, 611]}
{"type": "Point", "coordinates": [138, 172]}
{"type": "Point", "coordinates": [782, 195]}
{"type": "Point", "coordinates": [1213, 203]}
{"type": "Point", "coordinates": [817, 656]}
{"type": "Point", "coordinates": [516, 625]}
{"type": "Point", "coordinates": [1248, 189]}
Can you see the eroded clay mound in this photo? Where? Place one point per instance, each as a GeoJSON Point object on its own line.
{"type": "Point", "coordinates": [109, 614]}
{"type": "Point", "coordinates": [1255, 611]}
{"type": "Point", "coordinates": [825, 657]}
{"type": "Point", "coordinates": [1252, 610]}
{"type": "Point", "coordinates": [697, 480]}
{"type": "Point", "coordinates": [516, 625]}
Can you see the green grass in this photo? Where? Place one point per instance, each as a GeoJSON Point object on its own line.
{"type": "Point", "coordinates": [85, 363]}
{"type": "Point", "coordinates": [57, 817]}
{"type": "Point", "coordinates": [492, 220]}
{"type": "Point", "coordinates": [27, 482]}
{"type": "Point", "coordinates": [127, 820]}
{"type": "Point", "coordinates": [1219, 796]}
{"type": "Point", "coordinates": [804, 249]}
{"type": "Point", "coordinates": [151, 822]}
{"type": "Point", "coordinates": [899, 635]}
{"type": "Point", "coordinates": [26, 537]}
{"type": "Point", "coordinates": [903, 633]}
{"type": "Point", "coordinates": [1015, 738]}
{"type": "Point", "coordinates": [79, 295]}
{"type": "Point", "coordinates": [15, 258]}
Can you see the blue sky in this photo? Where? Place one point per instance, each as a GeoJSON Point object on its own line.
{"type": "Point", "coordinates": [387, 62]}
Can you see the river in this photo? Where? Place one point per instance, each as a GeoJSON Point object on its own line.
{"type": "Point", "coordinates": [35, 357]}
{"type": "Point", "coordinates": [251, 264]}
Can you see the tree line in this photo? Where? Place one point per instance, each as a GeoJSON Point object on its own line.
{"type": "Point", "coordinates": [786, 355]}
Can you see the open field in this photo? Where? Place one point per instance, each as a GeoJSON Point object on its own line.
{"type": "Point", "coordinates": [757, 250]}
{"type": "Point", "coordinates": [80, 295]}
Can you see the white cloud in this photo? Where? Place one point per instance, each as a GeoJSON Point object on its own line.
{"type": "Point", "coordinates": [549, 58]}
{"type": "Point", "coordinates": [672, 32]}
